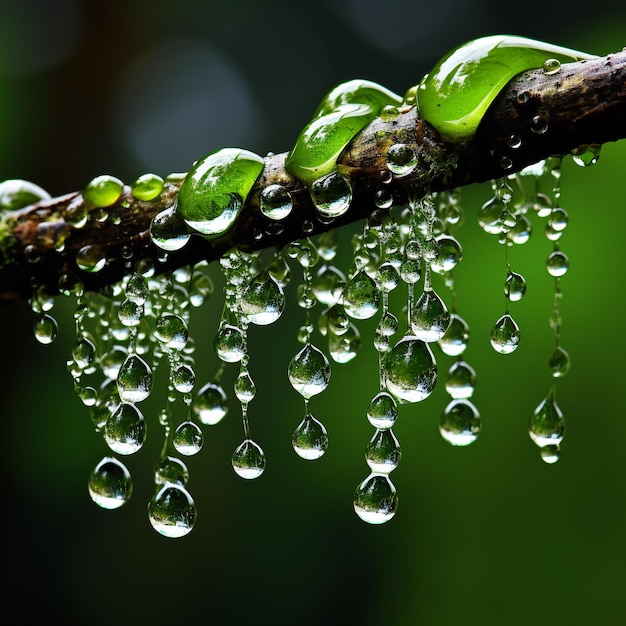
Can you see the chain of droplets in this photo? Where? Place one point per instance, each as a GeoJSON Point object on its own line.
{"type": "Point", "coordinates": [547, 424]}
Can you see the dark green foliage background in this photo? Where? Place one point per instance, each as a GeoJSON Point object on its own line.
{"type": "Point", "coordinates": [483, 535]}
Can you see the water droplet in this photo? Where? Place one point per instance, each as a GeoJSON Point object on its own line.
{"type": "Point", "coordinates": [211, 404]}
{"type": "Point", "coordinates": [460, 380]}
{"type": "Point", "coordinates": [410, 370]}
{"type": "Point", "coordinates": [557, 264]}
{"type": "Point", "coordinates": [183, 378]}
{"type": "Point", "coordinates": [505, 335]}
{"type": "Point", "coordinates": [455, 339]}
{"type": "Point", "coordinates": [430, 318]}
{"type": "Point", "coordinates": [586, 156]}
{"type": "Point", "coordinates": [382, 411]}
{"type": "Point", "coordinates": [84, 353]}
{"type": "Point", "coordinates": [310, 439]}
{"type": "Point", "coordinates": [550, 454]}
{"type": "Point", "coordinates": [46, 329]}
{"type": "Point", "coordinates": [171, 331]}
{"type": "Point", "coordinates": [309, 371]}
{"type": "Point", "coordinates": [383, 199]}
{"type": "Point", "coordinates": [514, 286]}
{"type": "Point", "coordinates": [188, 438]}
{"type": "Point", "coordinates": [230, 343]}
{"type": "Point", "coordinates": [263, 300]}
{"type": "Point", "coordinates": [130, 313]}
{"type": "Point", "coordinates": [383, 452]}
{"type": "Point", "coordinates": [248, 460]}
{"type": "Point", "coordinates": [245, 389]}
{"type": "Point", "coordinates": [328, 284]}
{"type": "Point", "coordinates": [343, 348]}
{"type": "Point", "coordinates": [168, 230]}
{"type": "Point", "coordinates": [110, 484]}
{"type": "Point", "coordinates": [539, 125]}
{"type": "Point", "coordinates": [360, 296]}
{"type": "Point", "coordinates": [147, 187]}
{"type": "Point", "coordinates": [387, 277]}
{"type": "Point", "coordinates": [460, 423]}
{"type": "Point", "coordinates": [520, 233]}
{"type": "Point", "coordinates": [547, 425]}
{"type": "Point", "coordinates": [401, 159]}
{"type": "Point", "coordinates": [137, 289]}
{"type": "Point", "coordinates": [172, 511]}
{"type": "Point", "coordinates": [375, 499]}
{"type": "Point", "coordinates": [449, 254]}
{"type": "Point", "coordinates": [91, 258]}
{"type": "Point", "coordinates": [275, 202]}
{"type": "Point", "coordinates": [134, 379]}
{"type": "Point", "coordinates": [551, 66]}
{"type": "Point", "coordinates": [171, 470]}
{"type": "Point", "coordinates": [331, 195]}
{"type": "Point", "coordinates": [125, 430]}
{"type": "Point", "coordinates": [103, 191]}
{"type": "Point", "coordinates": [559, 362]}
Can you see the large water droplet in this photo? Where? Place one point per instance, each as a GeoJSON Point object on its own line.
{"type": "Point", "coordinates": [275, 202]}
{"type": "Point", "coordinates": [310, 439]}
{"type": "Point", "coordinates": [343, 348]}
{"type": "Point", "coordinates": [125, 430]}
{"type": "Point", "coordinates": [188, 438]}
{"type": "Point", "coordinates": [430, 318]}
{"type": "Point", "coordinates": [248, 460]}
{"type": "Point", "coordinates": [263, 300]}
{"type": "Point", "coordinates": [46, 329]}
{"type": "Point", "coordinates": [410, 370]}
{"type": "Point", "coordinates": [171, 470]}
{"type": "Point", "coordinates": [172, 511]}
{"type": "Point", "coordinates": [230, 343]}
{"type": "Point", "coordinates": [547, 425]}
{"type": "Point", "coordinates": [514, 286]}
{"type": "Point", "coordinates": [449, 254]}
{"type": "Point", "coordinates": [375, 499]}
{"type": "Point", "coordinates": [455, 339]}
{"type": "Point", "coordinates": [505, 335]}
{"type": "Point", "coordinates": [110, 484]}
{"type": "Point", "coordinates": [360, 296]}
{"type": "Point", "coordinates": [382, 411]}
{"type": "Point", "coordinates": [460, 422]}
{"type": "Point", "coordinates": [401, 159]}
{"type": "Point", "coordinates": [383, 452]}
{"type": "Point", "coordinates": [171, 331]}
{"type": "Point", "coordinates": [134, 379]}
{"type": "Point", "coordinates": [211, 404]}
{"type": "Point", "coordinates": [309, 371]}
{"type": "Point", "coordinates": [331, 195]}
{"type": "Point", "coordinates": [461, 380]}
{"type": "Point", "coordinates": [168, 230]}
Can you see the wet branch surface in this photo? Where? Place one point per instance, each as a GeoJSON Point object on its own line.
{"type": "Point", "coordinates": [583, 104]}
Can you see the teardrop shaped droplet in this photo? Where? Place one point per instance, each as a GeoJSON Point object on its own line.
{"type": "Point", "coordinates": [461, 380]}
{"type": "Point", "coordinates": [172, 511]}
{"type": "Point", "coordinates": [449, 254]}
{"type": "Point", "coordinates": [263, 300]}
{"type": "Point", "coordinates": [430, 318]}
{"type": "Point", "coordinates": [383, 452]}
{"type": "Point", "coordinates": [230, 343]}
{"type": "Point", "coordinates": [460, 422]}
{"type": "Point", "coordinates": [110, 484]}
{"type": "Point", "coordinates": [168, 230]}
{"type": "Point", "coordinates": [559, 363]}
{"type": "Point", "coordinates": [310, 439]}
{"type": "Point", "coordinates": [410, 370]}
{"type": "Point", "coordinates": [211, 404]}
{"type": "Point", "coordinates": [343, 348]}
{"type": "Point", "coordinates": [514, 286]}
{"type": "Point", "coordinates": [171, 331]}
{"type": "Point", "coordinates": [46, 329]}
{"type": "Point", "coordinates": [360, 296]}
{"type": "Point", "coordinates": [183, 378]}
{"type": "Point", "coordinates": [382, 411]}
{"type": "Point", "coordinates": [245, 389]}
{"type": "Point", "coordinates": [248, 460]}
{"type": "Point", "coordinates": [125, 430]}
{"type": "Point", "coordinates": [134, 379]}
{"type": "Point", "coordinates": [171, 470]}
{"type": "Point", "coordinates": [455, 339]}
{"type": "Point", "coordinates": [505, 335]}
{"type": "Point", "coordinates": [309, 371]}
{"type": "Point", "coordinates": [327, 284]}
{"type": "Point", "coordinates": [550, 454]}
{"type": "Point", "coordinates": [547, 425]}
{"type": "Point", "coordinates": [375, 499]}
{"type": "Point", "coordinates": [188, 438]}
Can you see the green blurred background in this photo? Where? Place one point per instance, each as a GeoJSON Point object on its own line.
{"type": "Point", "coordinates": [483, 535]}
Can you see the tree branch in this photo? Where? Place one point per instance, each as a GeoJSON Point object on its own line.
{"type": "Point", "coordinates": [583, 104]}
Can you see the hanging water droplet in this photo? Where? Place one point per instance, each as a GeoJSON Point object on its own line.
{"type": "Point", "coordinates": [460, 422]}
{"type": "Point", "coordinates": [183, 378]}
{"type": "Point", "coordinates": [263, 300]}
{"type": "Point", "coordinates": [125, 430]}
{"type": "Point", "coordinates": [275, 202]}
{"type": "Point", "coordinates": [331, 195]}
{"type": "Point", "coordinates": [460, 380]}
{"type": "Point", "coordinates": [328, 284]}
{"type": "Point", "coordinates": [211, 404]}
{"type": "Point", "coordinates": [382, 411]}
{"type": "Point", "coordinates": [130, 313]}
{"type": "Point", "coordinates": [137, 289]}
{"type": "Point", "coordinates": [586, 156]}
{"type": "Point", "coordinates": [46, 329]}
{"type": "Point", "coordinates": [248, 460]}
{"type": "Point", "coordinates": [410, 370]}
{"type": "Point", "coordinates": [134, 379]}
{"type": "Point", "coordinates": [171, 470]}
{"type": "Point", "coordinates": [188, 438]}
{"type": "Point", "coordinates": [449, 254]}
{"type": "Point", "coordinates": [430, 318]}
{"type": "Point", "coordinates": [309, 371]}
{"type": "Point", "coordinates": [172, 511]}
{"type": "Point", "coordinates": [383, 452]}
{"type": "Point", "coordinates": [91, 258]}
{"type": "Point", "coordinates": [514, 286]}
{"type": "Point", "coordinates": [168, 230]}
{"type": "Point", "coordinates": [557, 264]}
{"type": "Point", "coordinates": [550, 454]}
{"type": "Point", "coordinates": [171, 331]}
{"type": "Point", "coordinates": [505, 335]}
{"type": "Point", "coordinates": [360, 296]}
{"type": "Point", "coordinates": [84, 353]}
{"type": "Point", "coordinates": [343, 348]}
{"type": "Point", "coordinates": [230, 343]}
{"type": "Point", "coordinates": [110, 484]}
{"type": "Point", "coordinates": [455, 339]}
{"type": "Point", "coordinates": [245, 389]}
{"type": "Point", "coordinates": [520, 233]}
{"type": "Point", "coordinates": [559, 362]}
{"type": "Point", "coordinates": [401, 159]}
{"type": "Point", "coordinates": [310, 439]}
{"type": "Point", "coordinates": [547, 425]}
{"type": "Point", "coordinates": [375, 499]}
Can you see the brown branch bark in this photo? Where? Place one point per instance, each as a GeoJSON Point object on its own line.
{"type": "Point", "coordinates": [585, 103]}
